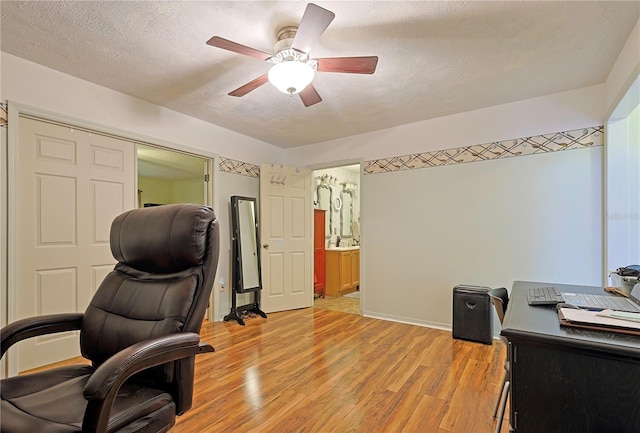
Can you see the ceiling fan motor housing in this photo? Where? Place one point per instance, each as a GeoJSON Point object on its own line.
{"type": "Point", "coordinates": [285, 37]}
{"type": "Point", "coordinates": [284, 53]}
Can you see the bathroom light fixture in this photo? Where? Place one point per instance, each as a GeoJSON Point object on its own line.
{"type": "Point", "coordinates": [291, 76]}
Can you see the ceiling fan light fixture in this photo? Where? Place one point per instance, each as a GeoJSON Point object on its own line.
{"type": "Point", "coordinates": [291, 77]}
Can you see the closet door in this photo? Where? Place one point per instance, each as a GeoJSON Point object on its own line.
{"type": "Point", "coordinates": [70, 185]}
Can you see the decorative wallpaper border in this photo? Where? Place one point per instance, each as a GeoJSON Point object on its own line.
{"type": "Point", "coordinates": [575, 139]}
{"type": "Point", "coordinates": [238, 167]}
{"type": "Point", "coordinates": [4, 110]}
{"type": "Point", "coordinates": [558, 141]}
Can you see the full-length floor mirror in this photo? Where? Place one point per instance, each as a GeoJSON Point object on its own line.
{"type": "Point", "coordinates": [245, 240]}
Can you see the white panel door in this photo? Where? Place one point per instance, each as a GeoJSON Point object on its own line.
{"type": "Point", "coordinates": [71, 185]}
{"type": "Point", "coordinates": [286, 237]}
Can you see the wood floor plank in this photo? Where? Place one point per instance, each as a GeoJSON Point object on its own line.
{"type": "Point", "coordinates": [316, 370]}
{"type": "Point", "coordinates": [471, 396]}
{"type": "Point", "coordinates": [427, 416]}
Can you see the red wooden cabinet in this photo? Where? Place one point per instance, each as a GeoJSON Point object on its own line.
{"type": "Point", "coordinates": [319, 258]}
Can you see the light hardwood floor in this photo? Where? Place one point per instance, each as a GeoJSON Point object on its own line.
{"type": "Point", "coordinates": [316, 370]}
{"type": "Point", "coordinates": [341, 303]}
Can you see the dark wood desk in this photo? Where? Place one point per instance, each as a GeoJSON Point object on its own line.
{"type": "Point", "coordinates": [568, 380]}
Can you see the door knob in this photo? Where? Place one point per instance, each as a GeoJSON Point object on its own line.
{"type": "Point", "coordinates": [265, 246]}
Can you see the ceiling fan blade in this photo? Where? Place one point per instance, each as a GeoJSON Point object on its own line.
{"type": "Point", "coordinates": [312, 25]}
{"type": "Point", "coordinates": [349, 65]}
{"type": "Point", "coordinates": [310, 96]}
{"type": "Point", "coordinates": [226, 44]}
{"type": "Point", "coordinates": [251, 85]}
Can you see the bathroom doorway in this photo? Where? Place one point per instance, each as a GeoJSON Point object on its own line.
{"type": "Point", "coordinates": [337, 238]}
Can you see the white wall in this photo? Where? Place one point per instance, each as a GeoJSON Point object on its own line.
{"type": "Point", "coordinates": [623, 73]}
{"type": "Point", "coordinates": [35, 85]}
{"type": "Point", "coordinates": [229, 185]}
{"type": "Point", "coordinates": [164, 191]}
{"type": "Point", "coordinates": [424, 231]}
{"type": "Point", "coordinates": [623, 192]}
{"type": "Point", "coordinates": [488, 223]}
{"type": "Point", "coordinates": [155, 190]}
{"type": "Point", "coordinates": [543, 115]}
{"type": "Point", "coordinates": [189, 190]}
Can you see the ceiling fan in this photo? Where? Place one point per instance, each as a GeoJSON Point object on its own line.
{"type": "Point", "coordinates": [293, 70]}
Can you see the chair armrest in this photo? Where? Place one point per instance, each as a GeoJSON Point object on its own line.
{"type": "Point", "coordinates": [103, 385]}
{"type": "Point", "coordinates": [40, 325]}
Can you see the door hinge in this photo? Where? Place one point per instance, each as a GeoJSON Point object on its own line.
{"type": "Point", "coordinates": [206, 177]}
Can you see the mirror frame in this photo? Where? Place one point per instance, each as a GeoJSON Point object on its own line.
{"type": "Point", "coordinates": [240, 235]}
{"type": "Point", "coordinates": [329, 209]}
{"type": "Point", "coordinates": [346, 232]}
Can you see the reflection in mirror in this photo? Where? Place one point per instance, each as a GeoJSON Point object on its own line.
{"type": "Point", "coordinates": [346, 213]}
{"type": "Point", "coordinates": [356, 231]}
{"type": "Point", "coordinates": [325, 198]}
{"type": "Point", "coordinates": [245, 232]}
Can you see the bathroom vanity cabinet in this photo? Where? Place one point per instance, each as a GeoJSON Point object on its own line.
{"type": "Point", "coordinates": [343, 271]}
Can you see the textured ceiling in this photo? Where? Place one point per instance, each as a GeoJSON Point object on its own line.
{"type": "Point", "coordinates": [436, 58]}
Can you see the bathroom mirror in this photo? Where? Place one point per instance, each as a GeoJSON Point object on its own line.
{"type": "Point", "coordinates": [325, 198]}
{"type": "Point", "coordinates": [346, 213]}
{"type": "Point", "coordinates": [246, 259]}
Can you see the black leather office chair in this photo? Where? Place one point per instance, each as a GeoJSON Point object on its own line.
{"type": "Point", "coordinates": [140, 333]}
{"type": "Point", "coordinates": [500, 300]}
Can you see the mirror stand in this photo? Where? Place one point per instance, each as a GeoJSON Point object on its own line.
{"type": "Point", "coordinates": [245, 258]}
{"type": "Point", "coordinates": [237, 312]}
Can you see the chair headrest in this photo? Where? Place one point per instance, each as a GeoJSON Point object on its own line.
{"type": "Point", "coordinates": [162, 239]}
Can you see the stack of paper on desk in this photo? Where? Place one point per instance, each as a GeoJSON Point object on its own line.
{"type": "Point", "coordinates": [634, 317]}
{"type": "Point", "coordinates": [601, 320]}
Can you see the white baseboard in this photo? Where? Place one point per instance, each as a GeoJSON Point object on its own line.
{"type": "Point", "coordinates": [408, 321]}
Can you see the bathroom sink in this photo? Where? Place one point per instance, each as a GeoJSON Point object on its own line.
{"type": "Point", "coordinates": [343, 248]}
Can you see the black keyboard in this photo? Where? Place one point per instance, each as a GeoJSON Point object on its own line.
{"type": "Point", "coordinates": [544, 296]}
